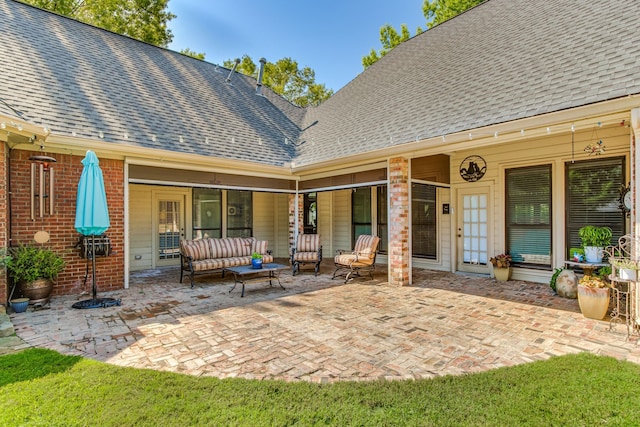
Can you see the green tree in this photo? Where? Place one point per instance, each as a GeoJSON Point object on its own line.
{"type": "Point", "coordinates": [144, 20]}
{"type": "Point", "coordinates": [285, 78]}
{"type": "Point", "coordinates": [435, 11]}
{"type": "Point", "coordinates": [438, 11]}
{"type": "Point", "coordinates": [193, 54]}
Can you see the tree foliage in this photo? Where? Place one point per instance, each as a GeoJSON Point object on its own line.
{"type": "Point", "coordinates": [144, 20]}
{"type": "Point", "coordinates": [435, 11]}
{"type": "Point", "coordinates": [438, 11]}
{"type": "Point", "coordinates": [285, 77]}
{"type": "Point", "coordinates": [193, 54]}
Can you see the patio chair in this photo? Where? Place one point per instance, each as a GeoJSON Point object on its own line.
{"type": "Point", "coordinates": [363, 258]}
{"type": "Point", "coordinates": [307, 250]}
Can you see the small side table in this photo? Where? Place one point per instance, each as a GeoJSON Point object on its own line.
{"type": "Point", "coordinates": [587, 267]}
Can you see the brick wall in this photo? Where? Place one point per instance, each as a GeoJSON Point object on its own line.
{"type": "Point", "coordinates": [399, 258]}
{"type": "Point", "coordinates": [292, 217]}
{"type": "Point", "coordinates": [3, 219]}
{"type": "Point", "coordinates": [60, 226]}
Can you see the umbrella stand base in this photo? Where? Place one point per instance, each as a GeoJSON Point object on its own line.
{"type": "Point", "coordinates": [96, 303]}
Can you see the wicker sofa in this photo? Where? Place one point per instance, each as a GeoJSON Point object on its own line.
{"type": "Point", "coordinates": [210, 255]}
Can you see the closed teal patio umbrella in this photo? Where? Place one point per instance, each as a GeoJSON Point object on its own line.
{"type": "Point", "coordinates": [92, 218]}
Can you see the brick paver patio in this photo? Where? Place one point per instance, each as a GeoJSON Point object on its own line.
{"type": "Point", "coordinates": [320, 329]}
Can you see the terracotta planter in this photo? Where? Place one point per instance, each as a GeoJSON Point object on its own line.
{"type": "Point", "coordinates": [38, 291]}
{"type": "Point", "coordinates": [502, 274]}
{"type": "Point", "coordinates": [594, 302]}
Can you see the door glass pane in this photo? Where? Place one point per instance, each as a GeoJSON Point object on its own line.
{"type": "Point", "coordinates": [360, 212]}
{"type": "Point", "coordinates": [169, 229]}
{"type": "Point", "coordinates": [239, 214]}
{"type": "Point", "coordinates": [475, 229]}
{"type": "Point", "coordinates": [207, 213]}
{"type": "Point", "coordinates": [310, 214]}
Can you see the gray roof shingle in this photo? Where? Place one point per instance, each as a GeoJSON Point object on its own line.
{"type": "Point", "coordinates": [77, 79]}
{"type": "Point", "coordinates": [500, 61]}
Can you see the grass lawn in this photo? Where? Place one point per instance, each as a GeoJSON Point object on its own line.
{"type": "Point", "coordinates": [44, 388]}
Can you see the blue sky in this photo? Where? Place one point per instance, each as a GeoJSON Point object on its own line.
{"type": "Point", "coordinates": [329, 36]}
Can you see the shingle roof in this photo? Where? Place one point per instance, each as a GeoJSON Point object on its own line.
{"type": "Point", "coordinates": [500, 61]}
{"type": "Point", "coordinates": [77, 79]}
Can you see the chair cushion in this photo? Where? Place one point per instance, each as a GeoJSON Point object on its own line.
{"type": "Point", "coordinates": [305, 256]}
{"type": "Point", "coordinates": [207, 264]}
{"type": "Point", "coordinates": [308, 243]}
{"type": "Point", "coordinates": [350, 260]}
{"type": "Point", "coordinates": [366, 245]}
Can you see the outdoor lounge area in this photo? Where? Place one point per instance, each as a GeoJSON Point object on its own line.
{"type": "Point", "coordinates": [322, 330]}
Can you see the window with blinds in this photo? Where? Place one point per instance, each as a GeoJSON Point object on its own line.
{"type": "Point", "coordinates": [528, 215]}
{"type": "Point", "coordinates": [592, 193]}
{"type": "Point", "coordinates": [424, 238]}
{"type": "Point", "coordinates": [360, 212]}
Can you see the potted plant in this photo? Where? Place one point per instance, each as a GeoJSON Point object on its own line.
{"type": "Point", "coordinates": [626, 268]}
{"type": "Point", "coordinates": [594, 239]}
{"type": "Point", "coordinates": [593, 297]}
{"type": "Point", "coordinates": [256, 260]}
{"type": "Point", "coordinates": [501, 266]}
{"type": "Point", "coordinates": [35, 270]}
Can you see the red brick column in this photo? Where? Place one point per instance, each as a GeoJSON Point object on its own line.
{"type": "Point", "coordinates": [4, 294]}
{"type": "Point", "coordinates": [399, 253]}
{"type": "Point", "coordinates": [292, 217]}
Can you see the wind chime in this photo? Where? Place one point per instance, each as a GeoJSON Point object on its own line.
{"type": "Point", "coordinates": [42, 185]}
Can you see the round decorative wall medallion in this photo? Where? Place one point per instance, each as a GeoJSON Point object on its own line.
{"type": "Point", "coordinates": [473, 168]}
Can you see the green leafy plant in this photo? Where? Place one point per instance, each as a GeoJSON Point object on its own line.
{"type": "Point", "coordinates": [29, 263]}
{"type": "Point", "coordinates": [4, 257]}
{"type": "Point", "coordinates": [256, 255]}
{"type": "Point", "coordinates": [592, 235]}
{"type": "Point", "coordinates": [554, 278]}
{"type": "Point", "coordinates": [625, 263]}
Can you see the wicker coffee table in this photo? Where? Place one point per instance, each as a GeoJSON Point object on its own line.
{"type": "Point", "coordinates": [247, 274]}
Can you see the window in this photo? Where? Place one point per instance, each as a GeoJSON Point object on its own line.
{"type": "Point", "coordinates": [383, 227]}
{"type": "Point", "coordinates": [239, 214]}
{"type": "Point", "coordinates": [360, 212]}
{"type": "Point", "coordinates": [207, 213]}
{"type": "Point", "coordinates": [592, 197]}
{"type": "Point", "coordinates": [310, 216]}
{"type": "Point", "coordinates": [528, 215]}
{"type": "Point", "coordinates": [423, 221]}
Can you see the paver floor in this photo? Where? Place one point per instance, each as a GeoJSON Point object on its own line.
{"type": "Point", "coordinates": [322, 330]}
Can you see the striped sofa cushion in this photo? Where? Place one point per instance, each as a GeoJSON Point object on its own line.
{"type": "Point", "coordinates": [260, 246]}
{"type": "Point", "coordinates": [208, 264]}
{"type": "Point", "coordinates": [196, 249]}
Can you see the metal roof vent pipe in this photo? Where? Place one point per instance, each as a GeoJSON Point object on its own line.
{"type": "Point", "coordinates": [233, 69]}
{"type": "Point", "coordinates": [260, 74]}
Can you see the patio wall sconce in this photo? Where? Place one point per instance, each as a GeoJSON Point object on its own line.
{"type": "Point", "coordinates": [41, 181]}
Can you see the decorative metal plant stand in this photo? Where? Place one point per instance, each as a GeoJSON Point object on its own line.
{"type": "Point", "coordinates": [623, 291]}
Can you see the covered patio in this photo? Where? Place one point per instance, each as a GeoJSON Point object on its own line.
{"type": "Point", "coordinates": [322, 330]}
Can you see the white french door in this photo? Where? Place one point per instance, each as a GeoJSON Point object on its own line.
{"type": "Point", "coordinates": [473, 230]}
{"type": "Point", "coordinates": [170, 228]}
